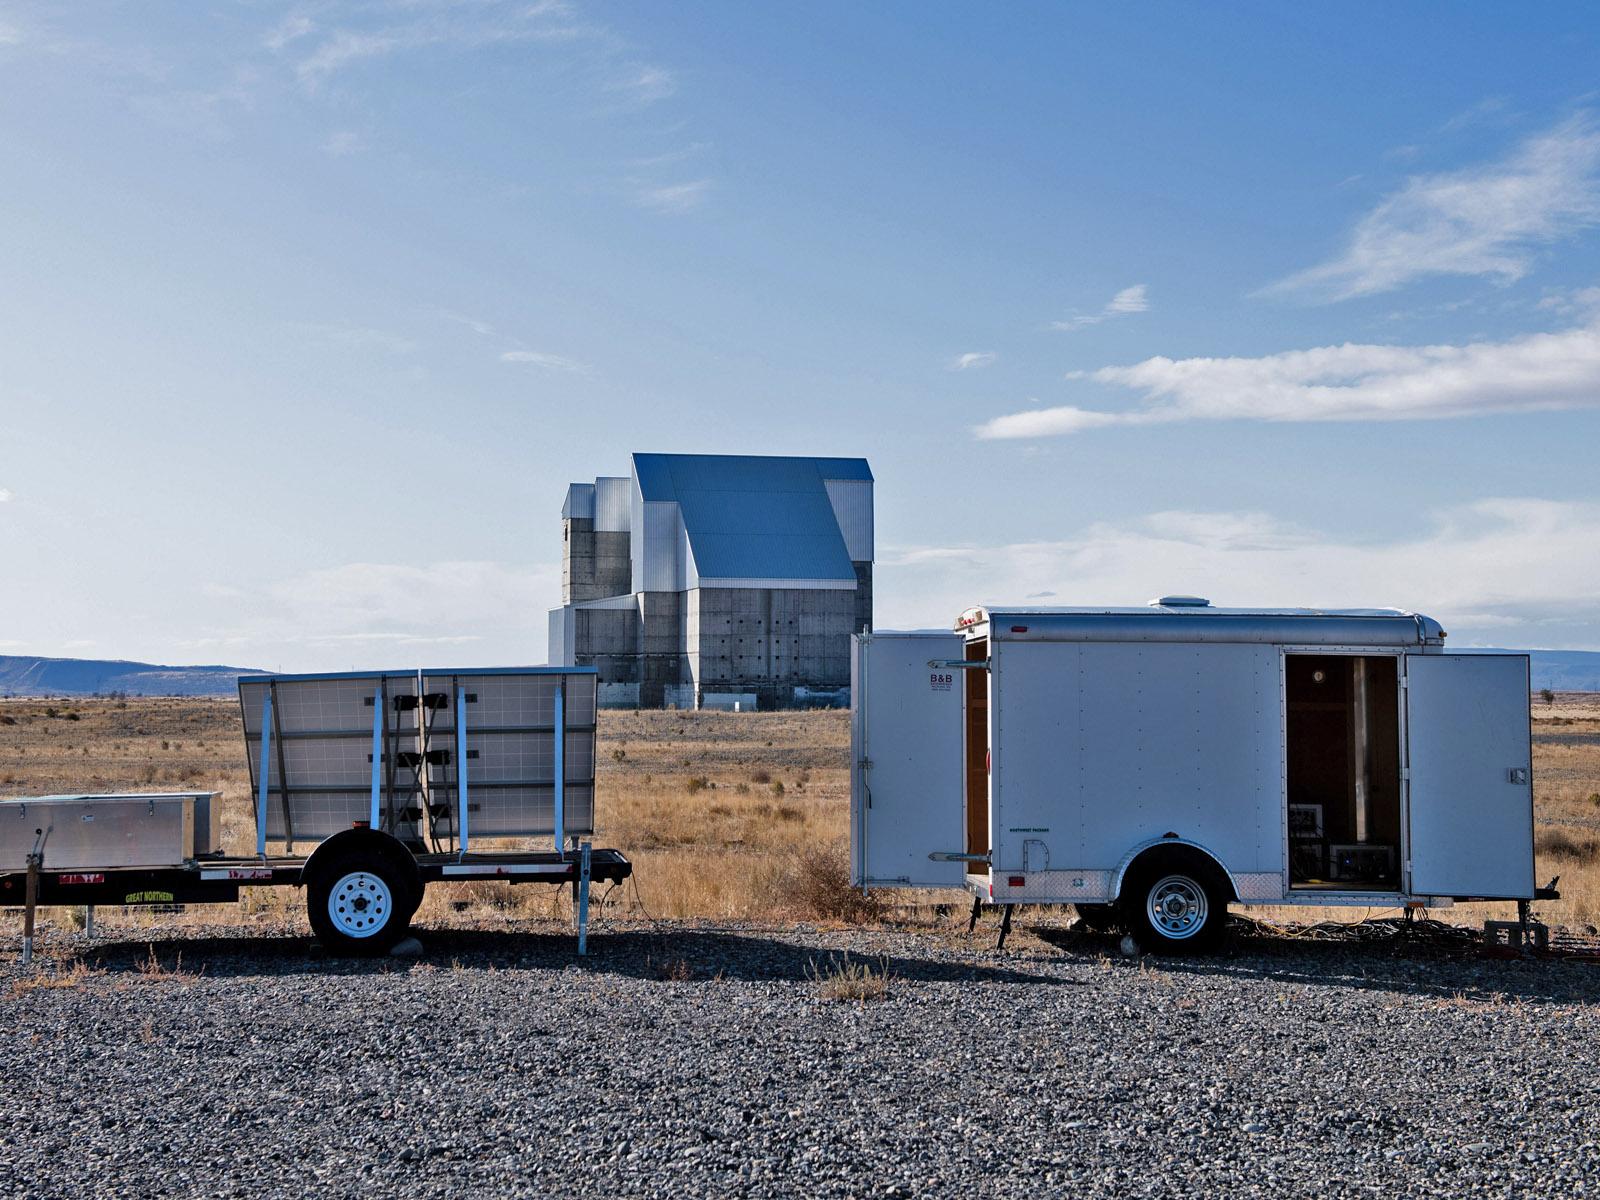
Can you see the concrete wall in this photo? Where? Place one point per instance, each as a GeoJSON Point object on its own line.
{"type": "Point", "coordinates": [769, 640]}
{"type": "Point", "coordinates": [661, 642]}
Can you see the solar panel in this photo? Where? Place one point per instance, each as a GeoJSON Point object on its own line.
{"type": "Point", "coordinates": [399, 749]}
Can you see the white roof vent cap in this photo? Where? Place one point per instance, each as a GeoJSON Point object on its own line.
{"type": "Point", "coordinates": [1181, 602]}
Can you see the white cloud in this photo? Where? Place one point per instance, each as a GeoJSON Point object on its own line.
{"type": "Point", "coordinates": [1485, 221]}
{"type": "Point", "coordinates": [10, 35]}
{"type": "Point", "coordinates": [1541, 589]}
{"type": "Point", "coordinates": [548, 362]}
{"type": "Point", "coordinates": [292, 28]}
{"type": "Point", "coordinates": [5, 495]}
{"type": "Point", "coordinates": [973, 360]}
{"type": "Point", "coordinates": [1128, 301]}
{"type": "Point", "coordinates": [646, 85]}
{"type": "Point", "coordinates": [676, 197]}
{"type": "Point", "coordinates": [1353, 382]}
{"type": "Point", "coordinates": [342, 142]}
{"type": "Point", "coordinates": [446, 24]}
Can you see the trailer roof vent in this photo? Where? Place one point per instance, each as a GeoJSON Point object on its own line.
{"type": "Point", "coordinates": [1181, 602]}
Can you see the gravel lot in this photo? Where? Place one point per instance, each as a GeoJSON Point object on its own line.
{"type": "Point", "coordinates": [704, 1061]}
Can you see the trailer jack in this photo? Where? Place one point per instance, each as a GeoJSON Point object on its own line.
{"type": "Point", "coordinates": [977, 907]}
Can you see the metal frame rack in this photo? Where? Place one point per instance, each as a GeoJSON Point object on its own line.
{"type": "Point", "coordinates": [386, 827]}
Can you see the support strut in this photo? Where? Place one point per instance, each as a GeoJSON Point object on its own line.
{"type": "Point", "coordinates": [977, 907]}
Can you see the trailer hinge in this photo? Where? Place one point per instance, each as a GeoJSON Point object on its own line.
{"type": "Point", "coordinates": [956, 664]}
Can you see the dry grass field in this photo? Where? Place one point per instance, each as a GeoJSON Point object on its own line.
{"type": "Point", "coordinates": [724, 815]}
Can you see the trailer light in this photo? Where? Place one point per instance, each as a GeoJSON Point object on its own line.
{"type": "Point", "coordinates": [1015, 881]}
{"type": "Point", "coordinates": [1318, 676]}
{"type": "Point", "coordinates": [1019, 629]}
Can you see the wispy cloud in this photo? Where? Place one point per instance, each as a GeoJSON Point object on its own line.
{"type": "Point", "coordinates": [438, 23]}
{"type": "Point", "coordinates": [357, 336]}
{"type": "Point", "coordinates": [973, 360]}
{"type": "Point", "coordinates": [646, 85]}
{"type": "Point", "coordinates": [547, 362]}
{"type": "Point", "coordinates": [341, 143]}
{"type": "Point", "coordinates": [1484, 221]}
{"type": "Point", "coordinates": [675, 197]}
{"type": "Point", "coordinates": [10, 35]}
{"type": "Point", "coordinates": [5, 495]}
{"type": "Point", "coordinates": [1534, 373]}
{"type": "Point", "coordinates": [291, 28]}
{"type": "Point", "coordinates": [1129, 300]}
{"type": "Point", "coordinates": [1542, 588]}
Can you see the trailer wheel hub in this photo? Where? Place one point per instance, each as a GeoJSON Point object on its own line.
{"type": "Point", "coordinates": [360, 904]}
{"type": "Point", "coordinates": [1178, 907]}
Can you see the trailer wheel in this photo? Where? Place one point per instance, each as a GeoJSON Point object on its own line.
{"type": "Point", "coordinates": [1175, 905]}
{"type": "Point", "coordinates": [360, 904]}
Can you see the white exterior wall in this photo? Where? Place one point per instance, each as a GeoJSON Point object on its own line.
{"type": "Point", "coordinates": [1099, 748]}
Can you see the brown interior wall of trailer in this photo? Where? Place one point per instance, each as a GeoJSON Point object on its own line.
{"type": "Point", "coordinates": [1331, 765]}
{"type": "Point", "coordinates": [977, 743]}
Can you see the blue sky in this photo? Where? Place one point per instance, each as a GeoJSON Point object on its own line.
{"type": "Point", "coordinates": [311, 311]}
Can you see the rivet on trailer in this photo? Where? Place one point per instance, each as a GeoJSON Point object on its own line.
{"type": "Point", "coordinates": [1154, 765]}
{"type": "Point", "coordinates": [367, 787]}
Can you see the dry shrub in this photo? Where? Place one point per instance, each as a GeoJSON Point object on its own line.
{"type": "Point", "coordinates": [817, 885]}
{"type": "Point", "coordinates": [762, 775]}
{"type": "Point", "coordinates": [851, 981]}
{"type": "Point", "coordinates": [73, 977]}
{"type": "Point", "coordinates": [1558, 843]}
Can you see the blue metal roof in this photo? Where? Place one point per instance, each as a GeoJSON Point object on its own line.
{"type": "Point", "coordinates": [754, 516]}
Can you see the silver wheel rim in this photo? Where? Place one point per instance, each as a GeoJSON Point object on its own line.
{"type": "Point", "coordinates": [360, 904]}
{"type": "Point", "coordinates": [1177, 907]}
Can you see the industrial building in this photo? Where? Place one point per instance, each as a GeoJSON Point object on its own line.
{"type": "Point", "coordinates": [713, 581]}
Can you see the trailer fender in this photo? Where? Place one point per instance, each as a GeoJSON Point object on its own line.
{"type": "Point", "coordinates": [372, 840]}
{"type": "Point", "coordinates": [1167, 843]}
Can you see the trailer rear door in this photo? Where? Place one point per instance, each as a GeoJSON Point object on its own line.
{"type": "Point", "coordinates": [906, 753]}
{"type": "Point", "coordinates": [1471, 792]}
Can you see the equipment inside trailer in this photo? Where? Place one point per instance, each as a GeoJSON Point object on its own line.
{"type": "Point", "coordinates": [1344, 793]}
{"type": "Point", "coordinates": [977, 754]}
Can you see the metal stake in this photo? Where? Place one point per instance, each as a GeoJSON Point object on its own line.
{"type": "Point", "coordinates": [1005, 928]}
{"type": "Point", "coordinates": [583, 900]}
{"type": "Point", "coordinates": [31, 900]}
{"type": "Point", "coordinates": [88, 920]}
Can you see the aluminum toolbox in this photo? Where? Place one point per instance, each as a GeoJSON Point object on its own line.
{"type": "Point", "coordinates": [92, 832]}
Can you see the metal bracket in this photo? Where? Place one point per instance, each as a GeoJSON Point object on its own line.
{"type": "Point", "coordinates": [952, 856]}
{"type": "Point", "coordinates": [959, 664]}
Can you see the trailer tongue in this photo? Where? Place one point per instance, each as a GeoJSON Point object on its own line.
{"type": "Point", "coordinates": [367, 787]}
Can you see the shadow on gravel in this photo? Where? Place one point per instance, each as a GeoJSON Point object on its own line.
{"type": "Point", "coordinates": [679, 955]}
{"type": "Point", "coordinates": [1412, 964]}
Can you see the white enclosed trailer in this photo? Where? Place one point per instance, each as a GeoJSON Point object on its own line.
{"type": "Point", "coordinates": [1153, 765]}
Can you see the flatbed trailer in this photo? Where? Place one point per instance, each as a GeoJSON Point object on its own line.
{"type": "Point", "coordinates": [385, 777]}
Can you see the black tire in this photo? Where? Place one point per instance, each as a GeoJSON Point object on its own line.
{"type": "Point", "coordinates": [1099, 918]}
{"type": "Point", "coordinates": [360, 904]}
{"type": "Point", "coordinates": [1175, 903]}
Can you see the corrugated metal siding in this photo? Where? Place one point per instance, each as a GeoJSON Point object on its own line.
{"type": "Point", "coordinates": [852, 508]}
{"type": "Point", "coordinates": [658, 537]}
{"type": "Point", "coordinates": [579, 502]}
{"type": "Point", "coordinates": [611, 504]}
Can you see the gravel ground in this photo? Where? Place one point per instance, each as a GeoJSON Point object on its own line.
{"type": "Point", "coordinates": [705, 1061]}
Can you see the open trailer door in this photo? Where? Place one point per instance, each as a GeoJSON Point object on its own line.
{"type": "Point", "coordinates": [1471, 792]}
{"type": "Point", "coordinates": [906, 760]}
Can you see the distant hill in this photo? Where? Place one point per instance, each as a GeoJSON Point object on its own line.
{"type": "Point", "coordinates": [1564, 670]}
{"type": "Point", "coordinates": [23, 675]}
